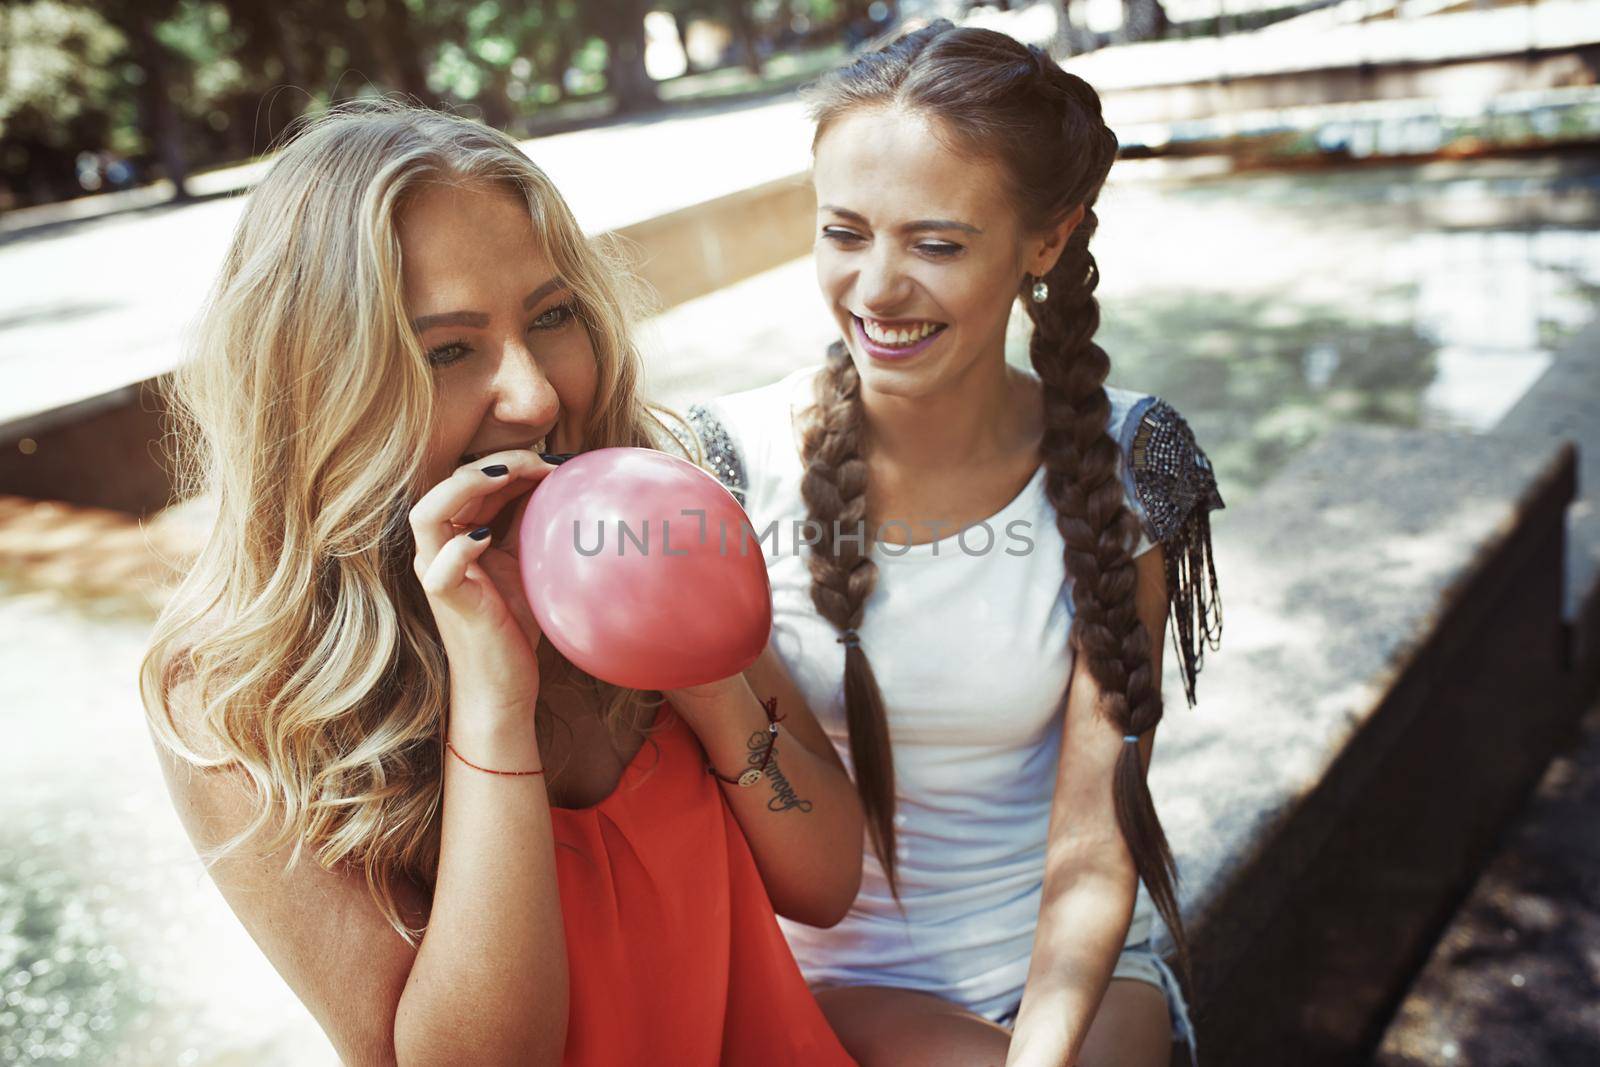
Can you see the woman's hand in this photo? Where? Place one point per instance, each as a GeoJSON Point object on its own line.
{"type": "Point", "coordinates": [474, 585]}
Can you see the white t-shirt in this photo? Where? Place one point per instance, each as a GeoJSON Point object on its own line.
{"type": "Point", "coordinates": [967, 636]}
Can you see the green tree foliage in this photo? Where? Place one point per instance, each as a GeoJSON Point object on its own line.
{"type": "Point", "coordinates": [183, 84]}
{"type": "Point", "coordinates": [60, 91]}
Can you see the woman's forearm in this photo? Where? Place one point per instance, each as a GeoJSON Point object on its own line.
{"type": "Point", "coordinates": [489, 984]}
{"type": "Point", "coordinates": [1083, 922]}
{"type": "Point", "coordinates": [802, 819]}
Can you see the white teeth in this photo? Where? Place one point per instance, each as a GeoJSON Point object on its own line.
{"type": "Point", "coordinates": [905, 336]}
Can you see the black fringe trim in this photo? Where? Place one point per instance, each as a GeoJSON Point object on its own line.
{"type": "Point", "coordinates": [1177, 488]}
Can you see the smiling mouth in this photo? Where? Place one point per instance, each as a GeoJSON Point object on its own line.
{"type": "Point", "coordinates": [898, 334]}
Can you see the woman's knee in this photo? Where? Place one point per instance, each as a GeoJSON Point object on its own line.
{"type": "Point", "coordinates": [885, 1027]}
{"type": "Point", "coordinates": [1133, 1027]}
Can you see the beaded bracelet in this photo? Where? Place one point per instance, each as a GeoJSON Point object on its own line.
{"type": "Point", "coordinates": [752, 775]}
{"type": "Point", "coordinates": [487, 770]}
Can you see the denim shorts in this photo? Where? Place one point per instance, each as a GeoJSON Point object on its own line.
{"type": "Point", "coordinates": [1143, 963]}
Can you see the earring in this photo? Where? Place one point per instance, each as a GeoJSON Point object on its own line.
{"type": "Point", "coordinates": [1041, 291]}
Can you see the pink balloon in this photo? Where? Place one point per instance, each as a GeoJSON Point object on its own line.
{"type": "Point", "coordinates": [631, 584]}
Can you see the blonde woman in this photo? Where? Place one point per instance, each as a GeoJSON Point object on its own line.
{"type": "Point", "coordinates": [454, 846]}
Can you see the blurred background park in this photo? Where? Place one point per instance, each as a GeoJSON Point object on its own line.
{"type": "Point", "coordinates": [1355, 242]}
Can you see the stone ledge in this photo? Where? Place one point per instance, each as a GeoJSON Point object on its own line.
{"type": "Point", "coordinates": [1392, 686]}
{"type": "Point", "coordinates": [1564, 404]}
{"type": "Point", "coordinates": [1512, 980]}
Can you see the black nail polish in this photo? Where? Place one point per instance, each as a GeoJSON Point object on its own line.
{"type": "Point", "coordinates": [479, 534]}
{"type": "Point", "coordinates": [495, 470]}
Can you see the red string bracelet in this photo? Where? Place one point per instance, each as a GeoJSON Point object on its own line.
{"type": "Point", "coordinates": [752, 775]}
{"type": "Point", "coordinates": [487, 770]}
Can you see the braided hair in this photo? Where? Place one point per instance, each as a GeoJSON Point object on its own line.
{"type": "Point", "coordinates": [1012, 104]}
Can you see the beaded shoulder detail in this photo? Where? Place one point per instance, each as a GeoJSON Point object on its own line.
{"type": "Point", "coordinates": [1171, 473]}
{"type": "Point", "coordinates": [1177, 490]}
{"type": "Point", "coordinates": [722, 456]}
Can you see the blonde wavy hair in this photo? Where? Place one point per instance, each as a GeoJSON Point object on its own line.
{"type": "Point", "coordinates": [316, 670]}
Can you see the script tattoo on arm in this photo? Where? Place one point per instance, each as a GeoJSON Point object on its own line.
{"type": "Point", "coordinates": [783, 795]}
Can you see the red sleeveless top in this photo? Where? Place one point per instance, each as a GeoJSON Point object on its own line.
{"type": "Point", "coordinates": [673, 950]}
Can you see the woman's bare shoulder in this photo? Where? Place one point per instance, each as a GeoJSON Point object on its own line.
{"type": "Point", "coordinates": [319, 927]}
{"type": "Point", "coordinates": [181, 693]}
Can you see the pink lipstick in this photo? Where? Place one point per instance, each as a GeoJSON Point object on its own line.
{"type": "Point", "coordinates": [885, 352]}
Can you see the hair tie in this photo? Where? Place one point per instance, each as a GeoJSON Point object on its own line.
{"type": "Point", "coordinates": [1131, 737]}
{"type": "Point", "coordinates": [850, 639]}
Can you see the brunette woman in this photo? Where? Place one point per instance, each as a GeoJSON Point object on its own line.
{"type": "Point", "coordinates": [973, 566]}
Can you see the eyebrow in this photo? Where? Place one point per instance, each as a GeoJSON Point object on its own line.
{"type": "Point", "coordinates": [908, 227]}
{"type": "Point", "coordinates": [479, 319]}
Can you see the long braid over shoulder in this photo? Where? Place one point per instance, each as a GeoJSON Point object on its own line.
{"type": "Point", "coordinates": [834, 488]}
{"type": "Point", "coordinates": [1082, 483]}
